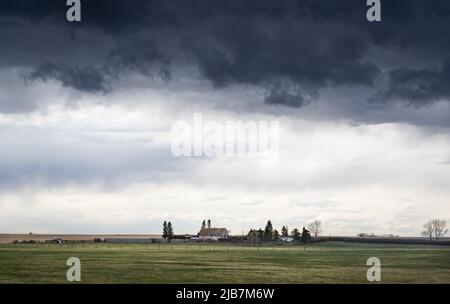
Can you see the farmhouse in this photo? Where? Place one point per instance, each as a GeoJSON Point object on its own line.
{"type": "Point", "coordinates": [214, 234]}
{"type": "Point", "coordinates": [286, 239]}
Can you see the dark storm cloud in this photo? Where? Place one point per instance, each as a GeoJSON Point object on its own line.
{"type": "Point", "coordinates": [248, 53]}
{"type": "Point", "coordinates": [291, 49]}
{"type": "Point", "coordinates": [417, 87]}
{"type": "Point", "coordinates": [85, 79]}
{"type": "Point", "coordinates": [282, 93]}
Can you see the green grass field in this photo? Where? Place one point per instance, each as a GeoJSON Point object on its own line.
{"type": "Point", "coordinates": [193, 263]}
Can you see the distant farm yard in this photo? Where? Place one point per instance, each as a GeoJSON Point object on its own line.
{"type": "Point", "coordinates": [330, 262]}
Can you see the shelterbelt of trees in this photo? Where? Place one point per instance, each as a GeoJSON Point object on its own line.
{"type": "Point", "coordinates": [434, 230]}
{"type": "Point", "coordinates": [271, 234]}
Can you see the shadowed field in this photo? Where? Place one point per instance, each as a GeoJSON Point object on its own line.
{"type": "Point", "coordinates": [330, 262]}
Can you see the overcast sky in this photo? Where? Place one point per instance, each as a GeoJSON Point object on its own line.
{"type": "Point", "coordinates": [86, 111]}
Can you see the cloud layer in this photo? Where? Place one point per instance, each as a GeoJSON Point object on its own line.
{"type": "Point", "coordinates": [86, 110]}
{"type": "Point", "coordinates": [291, 49]}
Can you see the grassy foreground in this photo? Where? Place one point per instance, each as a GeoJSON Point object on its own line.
{"type": "Point", "coordinates": [193, 263]}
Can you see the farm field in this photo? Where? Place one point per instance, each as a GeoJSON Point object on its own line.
{"type": "Point", "coordinates": [330, 262]}
{"type": "Point", "coordinates": [10, 238]}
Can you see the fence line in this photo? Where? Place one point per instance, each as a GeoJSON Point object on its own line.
{"type": "Point", "coordinates": [229, 247]}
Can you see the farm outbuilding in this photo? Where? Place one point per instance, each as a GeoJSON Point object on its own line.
{"type": "Point", "coordinates": [214, 234]}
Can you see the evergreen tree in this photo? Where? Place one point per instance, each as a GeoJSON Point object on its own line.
{"type": "Point", "coordinates": [295, 234]}
{"type": "Point", "coordinates": [203, 225]}
{"type": "Point", "coordinates": [285, 231]}
{"type": "Point", "coordinates": [306, 236]}
{"type": "Point", "coordinates": [276, 234]}
{"type": "Point", "coordinates": [209, 224]}
{"type": "Point", "coordinates": [268, 231]}
{"type": "Point", "coordinates": [260, 234]}
{"type": "Point", "coordinates": [169, 231]}
{"type": "Point", "coordinates": [164, 234]}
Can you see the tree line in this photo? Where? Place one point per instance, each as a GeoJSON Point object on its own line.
{"type": "Point", "coordinates": [313, 230]}
{"type": "Point", "coordinates": [435, 228]}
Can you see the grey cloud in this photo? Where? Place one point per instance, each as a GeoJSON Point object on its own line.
{"type": "Point", "coordinates": [417, 87]}
{"type": "Point", "coordinates": [281, 93]}
{"type": "Point", "coordinates": [140, 54]}
{"type": "Point", "coordinates": [35, 156]}
{"type": "Point", "coordinates": [312, 45]}
{"type": "Point", "coordinates": [87, 79]}
{"type": "Point", "coordinates": [265, 53]}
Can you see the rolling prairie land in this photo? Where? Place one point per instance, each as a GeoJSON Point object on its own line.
{"type": "Point", "coordinates": [330, 262]}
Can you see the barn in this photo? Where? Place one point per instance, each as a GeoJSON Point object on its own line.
{"type": "Point", "coordinates": [214, 234]}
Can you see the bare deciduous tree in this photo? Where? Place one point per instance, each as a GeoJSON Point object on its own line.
{"type": "Point", "coordinates": [436, 228]}
{"type": "Point", "coordinates": [428, 230]}
{"type": "Point", "coordinates": [315, 228]}
{"type": "Point", "coordinates": [439, 228]}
